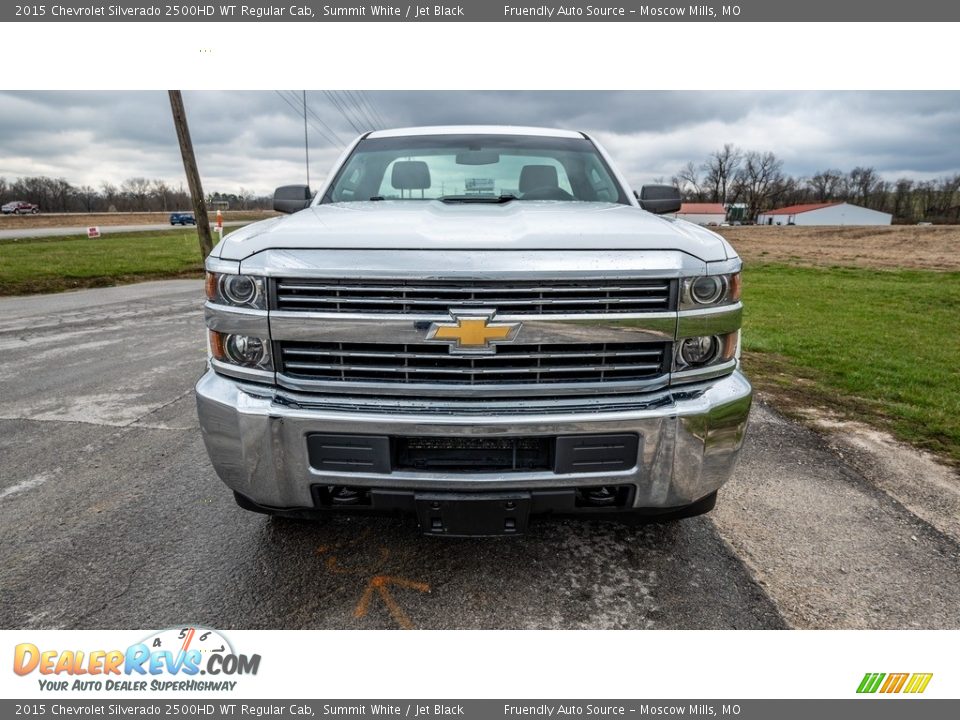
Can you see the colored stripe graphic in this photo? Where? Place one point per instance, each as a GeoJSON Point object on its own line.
{"type": "Point", "coordinates": [894, 683]}
{"type": "Point", "coordinates": [918, 682]}
{"type": "Point", "coordinates": [870, 682]}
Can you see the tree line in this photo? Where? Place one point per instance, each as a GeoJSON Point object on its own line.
{"type": "Point", "coordinates": [137, 194]}
{"type": "Point", "coordinates": [757, 180]}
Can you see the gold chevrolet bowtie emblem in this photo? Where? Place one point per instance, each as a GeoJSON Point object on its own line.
{"type": "Point", "coordinates": [472, 331]}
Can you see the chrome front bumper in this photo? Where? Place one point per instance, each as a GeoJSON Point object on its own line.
{"type": "Point", "coordinates": [690, 438]}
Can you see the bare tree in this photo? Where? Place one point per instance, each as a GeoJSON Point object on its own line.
{"type": "Point", "coordinates": [244, 196]}
{"type": "Point", "coordinates": [688, 180]}
{"type": "Point", "coordinates": [137, 189]}
{"type": "Point", "coordinates": [760, 179]}
{"type": "Point", "coordinates": [948, 189]}
{"type": "Point", "coordinates": [161, 191]}
{"type": "Point", "coordinates": [863, 183]}
{"type": "Point", "coordinates": [88, 198]}
{"type": "Point", "coordinates": [109, 191]}
{"type": "Point", "coordinates": [825, 185]}
{"type": "Point", "coordinates": [720, 169]}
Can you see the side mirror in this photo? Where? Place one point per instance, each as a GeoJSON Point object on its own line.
{"type": "Point", "coordinates": [660, 199]}
{"type": "Point", "coordinates": [291, 198]}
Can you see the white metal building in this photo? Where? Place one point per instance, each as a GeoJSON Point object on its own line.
{"type": "Point", "coordinates": [703, 213]}
{"type": "Point", "coordinates": [834, 213]}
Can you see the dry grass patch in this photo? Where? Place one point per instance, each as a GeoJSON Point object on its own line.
{"type": "Point", "coordinates": [920, 247]}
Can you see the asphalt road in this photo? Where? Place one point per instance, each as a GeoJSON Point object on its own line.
{"type": "Point", "coordinates": [38, 232]}
{"type": "Point", "coordinates": [113, 517]}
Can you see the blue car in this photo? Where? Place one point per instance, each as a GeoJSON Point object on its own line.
{"type": "Point", "coordinates": [182, 218]}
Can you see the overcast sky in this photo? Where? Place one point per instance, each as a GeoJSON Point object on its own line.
{"type": "Point", "coordinates": [254, 140]}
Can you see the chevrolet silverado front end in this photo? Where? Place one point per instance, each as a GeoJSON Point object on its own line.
{"type": "Point", "coordinates": [470, 326]}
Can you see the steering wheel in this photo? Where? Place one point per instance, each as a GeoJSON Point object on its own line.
{"type": "Point", "coordinates": [547, 192]}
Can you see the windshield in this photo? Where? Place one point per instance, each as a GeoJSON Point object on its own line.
{"type": "Point", "coordinates": [475, 168]}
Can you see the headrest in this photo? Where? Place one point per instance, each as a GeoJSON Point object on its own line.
{"type": "Point", "coordinates": [538, 176]}
{"type": "Point", "coordinates": [410, 175]}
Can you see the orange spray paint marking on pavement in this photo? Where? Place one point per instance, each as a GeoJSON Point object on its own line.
{"type": "Point", "coordinates": [380, 585]}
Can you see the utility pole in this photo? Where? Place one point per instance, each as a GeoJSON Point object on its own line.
{"type": "Point", "coordinates": [193, 175]}
{"type": "Point", "coordinates": [306, 147]}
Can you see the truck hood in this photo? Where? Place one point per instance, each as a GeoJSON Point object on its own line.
{"type": "Point", "coordinates": [434, 225]}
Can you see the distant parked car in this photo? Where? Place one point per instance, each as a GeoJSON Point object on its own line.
{"type": "Point", "coordinates": [182, 218]}
{"type": "Point", "coordinates": [20, 207]}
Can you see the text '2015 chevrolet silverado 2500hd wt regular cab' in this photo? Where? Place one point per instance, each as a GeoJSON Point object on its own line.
{"type": "Point", "coordinates": [470, 326]}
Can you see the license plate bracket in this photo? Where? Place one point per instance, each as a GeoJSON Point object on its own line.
{"type": "Point", "coordinates": [472, 514]}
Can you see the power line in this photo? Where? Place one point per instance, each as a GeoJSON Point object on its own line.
{"type": "Point", "coordinates": [348, 104]}
{"type": "Point", "coordinates": [376, 107]}
{"type": "Point", "coordinates": [300, 108]}
{"type": "Point", "coordinates": [362, 108]}
{"type": "Point", "coordinates": [320, 120]}
{"type": "Point", "coordinates": [337, 142]}
{"type": "Point", "coordinates": [337, 104]}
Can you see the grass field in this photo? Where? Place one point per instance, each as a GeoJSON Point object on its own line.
{"type": "Point", "coordinates": [878, 346]}
{"type": "Point", "coordinates": [55, 264]}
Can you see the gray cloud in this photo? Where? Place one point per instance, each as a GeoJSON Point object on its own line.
{"type": "Point", "coordinates": [255, 140]}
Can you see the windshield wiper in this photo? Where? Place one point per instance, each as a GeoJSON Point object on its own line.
{"type": "Point", "coordinates": [499, 200]}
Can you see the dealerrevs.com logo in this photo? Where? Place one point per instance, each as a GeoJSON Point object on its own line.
{"type": "Point", "coordinates": [172, 659]}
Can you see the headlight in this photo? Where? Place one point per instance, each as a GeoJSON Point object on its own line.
{"type": "Point", "coordinates": [237, 290]}
{"type": "Point", "coordinates": [710, 290]}
{"type": "Point", "coordinates": [693, 353]}
{"type": "Point", "coordinates": [706, 290]}
{"type": "Point", "coordinates": [241, 350]}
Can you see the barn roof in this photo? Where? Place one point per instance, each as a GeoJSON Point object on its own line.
{"type": "Point", "coordinates": [702, 209]}
{"type": "Point", "coordinates": [795, 209]}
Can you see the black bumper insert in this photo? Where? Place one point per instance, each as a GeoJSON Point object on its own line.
{"type": "Point", "coordinates": [470, 454]}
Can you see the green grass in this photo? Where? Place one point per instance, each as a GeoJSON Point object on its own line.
{"type": "Point", "coordinates": [879, 346]}
{"type": "Point", "coordinates": [55, 264]}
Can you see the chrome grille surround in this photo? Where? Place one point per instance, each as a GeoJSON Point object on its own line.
{"type": "Point", "coordinates": [370, 336]}
{"type": "Point", "coordinates": [498, 268]}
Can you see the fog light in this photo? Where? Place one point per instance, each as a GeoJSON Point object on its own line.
{"type": "Point", "coordinates": [699, 350]}
{"type": "Point", "coordinates": [707, 289]}
{"type": "Point", "coordinates": [243, 350]}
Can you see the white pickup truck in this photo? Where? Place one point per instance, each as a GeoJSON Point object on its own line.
{"type": "Point", "coordinates": [471, 326]}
